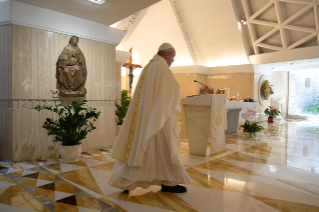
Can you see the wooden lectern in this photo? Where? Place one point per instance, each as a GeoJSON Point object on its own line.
{"type": "Point", "coordinates": [205, 113]}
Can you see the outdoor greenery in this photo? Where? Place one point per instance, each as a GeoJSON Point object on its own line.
{"type": "Point", "coordinates": [313, 108]}
{"type": "Point", "coordinates": [272, 112]}
{"type": "Point", "coordinates": [74, 121]}
{"type": "Point", "coordinates": [121, 109]}
{"type": "Point", "coordinates": [251, 127]}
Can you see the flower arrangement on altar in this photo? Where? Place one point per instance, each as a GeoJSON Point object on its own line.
{"type": "Point", "coordinates": [272, 112]}
{"type": "Point", "coordinates": [250, 127]}
{"type": "Point", "coordinates": [249, 99]}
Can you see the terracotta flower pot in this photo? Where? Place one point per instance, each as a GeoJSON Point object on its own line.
{"type": "Point", "coordinates": [270, 120]}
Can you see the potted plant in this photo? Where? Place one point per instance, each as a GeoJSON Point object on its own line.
{"type": "Point", "coordinates": [272, 112]}
{"type": "Point", "coordinates": [73, 124]}
{"type": "Point", "coordinates": [249, 99]}
{"type": "Point", "coordinates": [121, 109]}
{"type": "Point", "coordinates": [250, 127]}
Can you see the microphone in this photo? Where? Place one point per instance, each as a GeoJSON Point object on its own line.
{"type": "Point", "coordinates": [204, 86]}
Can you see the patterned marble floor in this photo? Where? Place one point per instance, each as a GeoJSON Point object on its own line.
{"type": "Point", "coordinates": [278, 171]}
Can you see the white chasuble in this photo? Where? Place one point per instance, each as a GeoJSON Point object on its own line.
{"type": "Point", "coordinates": [147, 148]}
{"type": "Point", "coordinates": [218, 124]}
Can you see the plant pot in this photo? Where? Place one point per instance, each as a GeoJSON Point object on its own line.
{"type": "Point", "coordinates": [270, 120]}
{"type": "Point", "coordinates": [71, 154]}
{"type": "Point", "coordinates": [118, 128]}
{"type": "Point", "coordinates": [248, 135]}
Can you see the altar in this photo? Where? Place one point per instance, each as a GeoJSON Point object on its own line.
{"type": "Point", "coordinates": [234, 114]}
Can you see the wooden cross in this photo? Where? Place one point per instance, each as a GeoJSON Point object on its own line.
{"type": "Point", "coordinates": [129, 64]}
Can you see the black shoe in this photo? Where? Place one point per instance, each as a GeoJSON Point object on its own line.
{"type": "Point", "coordinates": [126, 191]}
{"type": "Point", "coordinates": [174, 189]}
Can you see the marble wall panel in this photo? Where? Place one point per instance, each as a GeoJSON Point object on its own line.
{"type": "Point", "coordinates": [34, 56]}
{"type": "Point", "coordinates": [35, 53]}
{"type": "Point", "coordinates": [30, 140]}
{"type": "Point", "coordinates": [5, 62]}
{"type": "Point", "coordinates": [243, 83]}
{"type": "Point", "coordinates": [118, 80]}
{"type": "Point", "coordinates": [5, 93]}
{"type": "Point", "coordinates": [6, 139]}
{"type": "Point", "coordinates": [188, 86]}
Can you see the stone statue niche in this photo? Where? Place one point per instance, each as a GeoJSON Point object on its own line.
{"type": "Point", "coordinates": [71, 70]}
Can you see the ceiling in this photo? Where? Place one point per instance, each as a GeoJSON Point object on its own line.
{"type": "Point", "coordinates": [109, 13]}
{"type": "Point", "coordinates": [204, 32]}
{"type": "Point", "coordinates": [280, 25]}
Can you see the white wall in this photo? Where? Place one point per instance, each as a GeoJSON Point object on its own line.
{"type": "Point", "coordinates": [279, 80]}
{"type": "Point", "coordinates": [158, 26]}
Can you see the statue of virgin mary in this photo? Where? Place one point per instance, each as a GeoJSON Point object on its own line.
{"type": "Point", "coordinates": [71, 70]}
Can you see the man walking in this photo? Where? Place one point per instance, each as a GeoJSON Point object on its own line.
{"type": "Point", "coordinates": [147, 148]}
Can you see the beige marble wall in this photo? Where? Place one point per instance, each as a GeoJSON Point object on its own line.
{"type": "Point", "coordinates": [243, 83]}
{"type": "Point", "coordinates": [118, 80]}
{"type": "Point", "coordinates": [34, 56]}
{"type": "Point", "coordinates": [188, 86]}
{"type": "Point", "coordinates": [6, 115]}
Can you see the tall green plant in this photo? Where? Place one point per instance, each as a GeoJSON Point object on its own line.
{"type": "Point", "coordinates": [313, 108]}
{"type": "Point", "coordinates": [121, 109]}
{"type": "Point", "coordinates": [74, 123]}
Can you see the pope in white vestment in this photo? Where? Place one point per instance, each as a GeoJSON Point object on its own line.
{"type": "Point", "coordinates": [147, 148]}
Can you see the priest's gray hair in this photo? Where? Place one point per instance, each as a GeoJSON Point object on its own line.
{"type": "Point", "coordinates": [163, 52]}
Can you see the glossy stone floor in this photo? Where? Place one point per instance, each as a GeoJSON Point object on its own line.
{"type": "Point", "coordinates": [278, 171]}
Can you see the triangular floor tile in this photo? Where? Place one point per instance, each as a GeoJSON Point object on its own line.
{"type": "Point", "coordinates": [28, 189]}
{"type": "Point", "coordinates": [22, 199]}
{"type": "Point", "coordinates": [6, 178]}
{"type": "Point", "coordinates": [15, 178]}
{"type": "Point", "coordinates": [81, 192]}
{"type": "Point", "coordinates": [6, 184]}
{"type": "Point", "coordinates": [50, 186]}
{"type": "Point", "coordinates": [11, 170]}
{"type": "Point", "coordinates": [45, 170]}
{"type": "Point", "coordinates": [30, 165]}
{"type": "Point", "coordinates": [34, 175]}
{"type": "Point", "coordinates": [91, 163]}
{"type": "Point", "coordinates": [65, 207]}
{"type": "Point", "coordinates": [3, 170]}
{"type": "Point", "coordinates": [54, 168]}
{"type": "Point", "coordinates": [68, 167]}
{"type": "Point", "coordinates": [27, 172]}
{"type": "Point", "coordinates": [104, 206]}
{"type": "Point", "coordinates": [18, 173]}
{"type": "Point", "coordinates": [71, 200]}
{"type": "Point", "coordinates": [36, 169]}
{"type": "Point", "coordinates": [49, 205]}
{"type": "Point", "coordinates": [87, 210]}
{"type": "Point", "coordinates": [62, 195]}
{"type": "Point", "coordinates": [43, 182]}
{"type": "Point", "coordinates": [60, 180]}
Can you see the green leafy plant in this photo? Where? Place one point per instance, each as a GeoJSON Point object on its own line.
{"type": "Point", "coordinates": [249, 99]}
{"type": "Point", "coordinates": [313, 108]}
{"type": "Point", "coordinates": [74, 121]}
{"type": "Point", "coordinates": [272, 112]}
{"type": "Point", "coordinates": [121, 109]}
{"type": "Point", "coordinates": [252, 127]}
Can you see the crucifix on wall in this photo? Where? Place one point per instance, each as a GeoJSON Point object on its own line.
{"type": "Point", "coordinates": [129, 64]}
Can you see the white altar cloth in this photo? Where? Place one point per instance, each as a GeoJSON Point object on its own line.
{"type": "Point", "coordinates": [243, 105]}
